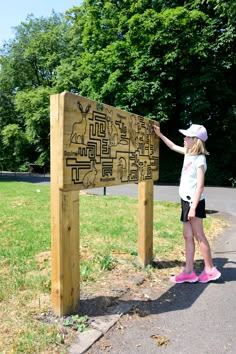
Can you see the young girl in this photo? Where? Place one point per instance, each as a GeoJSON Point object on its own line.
{"type": "Point", "coordinates": [193, 202]}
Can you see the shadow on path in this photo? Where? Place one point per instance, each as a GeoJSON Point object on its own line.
{"type": "Point", "coordinates": [178, 297]}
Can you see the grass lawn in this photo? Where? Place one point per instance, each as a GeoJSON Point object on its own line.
{"type": "Point", "coordinates": [108, 227]}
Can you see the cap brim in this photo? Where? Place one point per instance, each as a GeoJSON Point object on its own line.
{"type": "Point", "coordinates": [186, 133]}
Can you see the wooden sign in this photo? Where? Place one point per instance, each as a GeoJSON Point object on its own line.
{"type": "Point", "coordinates": [94, 145]}
{"type": "Point", "coordinates": [104, 146]}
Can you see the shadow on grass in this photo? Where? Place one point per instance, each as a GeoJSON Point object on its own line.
{"type": "Point", "coordinates": [209, 211]}
{"type": "Point", "coordinates": [177, 297]}
{"type": "Point", "coordinates": [24, 178]}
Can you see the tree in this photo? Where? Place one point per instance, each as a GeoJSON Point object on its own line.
{"type": "Point", "coordinates": [33, 105]}
{"type": "Point", "coordinates": [173, 61]}
{"type": "Point", "coordinates": [28, 64]}
{"type": "Point", "coordinates": [15, 146]}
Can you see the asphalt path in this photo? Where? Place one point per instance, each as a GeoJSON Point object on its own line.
{"type": "Point", "coordinates": [189, 318]}
{"type": "Point", "coordinates": [218, 199]}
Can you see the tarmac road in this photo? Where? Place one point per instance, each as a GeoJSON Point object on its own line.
{"type": "Point", "coordinates": [218, 199]}
{"type": "Point", "coordinates": [185, 318]}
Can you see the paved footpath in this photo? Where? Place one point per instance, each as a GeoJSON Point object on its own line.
{"type": "Point", "coordinates": [217, 198]}
{"type": "Point", "coordinates": [185, 318]}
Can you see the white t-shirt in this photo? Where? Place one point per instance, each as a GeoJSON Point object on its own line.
{"type": "Point", "coordinates": [188, 180]}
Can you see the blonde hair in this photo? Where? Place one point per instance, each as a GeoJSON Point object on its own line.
{"type": "Point", "coordinates": [198, 147]}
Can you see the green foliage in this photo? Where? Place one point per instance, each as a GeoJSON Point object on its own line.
{"type": "Point", "coordinates": [14, 146]}
{"type": "Point", "coordinates": [107, 262]}
{"type": "Point", "coordinates": [233, 181]}
{"type": "Point", "coordinates": [170, 60]}
{"type": "Point", "coordinates": [27, 65]}
{"type": "Point", "coordinates": [34, 106]}
{"type": "Point", "coordinates": [76, 322]}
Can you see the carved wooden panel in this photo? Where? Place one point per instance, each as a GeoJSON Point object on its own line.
{"type": "Point", "coordinates": [102, 145]}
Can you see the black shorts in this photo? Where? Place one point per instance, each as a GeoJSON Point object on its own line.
{"type": "Point", "coordinates": [200, 210]}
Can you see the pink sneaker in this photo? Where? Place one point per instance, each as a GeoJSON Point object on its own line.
{"type": "Point", "coordinates": [205, 277]}
{"type": "Point", "coordinates": [184, 278]}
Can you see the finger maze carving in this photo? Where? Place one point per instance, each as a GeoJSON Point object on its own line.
{"type": "Point", "coordinates": [105, 146]}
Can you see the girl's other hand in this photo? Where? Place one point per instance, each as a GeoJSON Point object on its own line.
{"type": "Point", "coordinates": [191, 214]}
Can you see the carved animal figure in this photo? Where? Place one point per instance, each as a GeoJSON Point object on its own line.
{"type": "Point", "coordinates": [79, 127]}
{"type": "Point", "coordinates": [114, 134]}
{"type": "Point", "coordinates": [90, 176]}
{"type": "Point", "coordinates": [122, 169]}
{"type": "Point", "coordinates": [134, 128]}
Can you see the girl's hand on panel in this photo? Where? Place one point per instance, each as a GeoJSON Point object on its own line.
{"type": "Point", "coordinates": [157, 130]}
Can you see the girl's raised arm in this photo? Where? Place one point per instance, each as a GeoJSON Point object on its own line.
{"type": "Point", "coordinates": [168, 142]}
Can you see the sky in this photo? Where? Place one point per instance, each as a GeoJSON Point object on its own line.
{"type": "Point", "coordinates": [13, 12]}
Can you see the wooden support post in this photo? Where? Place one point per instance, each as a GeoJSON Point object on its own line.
{"type": "Point", "coordinates": [65, 252]}
{"type": "Point", "coordinates": [145, 222]}
{"type": "Point", "coordinates": [65, 224]}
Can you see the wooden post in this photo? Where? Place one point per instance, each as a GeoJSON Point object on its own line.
{"type": "Point", "coordinates": [65, 252]}
{"type": "Point", "coordinates": [64, 225]}
{"type": "Point", "coordinates": [145, 222]}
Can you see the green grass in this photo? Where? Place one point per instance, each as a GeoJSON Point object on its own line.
{"type": "Point", "coordinates": [108, 228]}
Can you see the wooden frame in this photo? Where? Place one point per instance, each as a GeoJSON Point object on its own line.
{"type": "Point", "coordinates": [94, 145]}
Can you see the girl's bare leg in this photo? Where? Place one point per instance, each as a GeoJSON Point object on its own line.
{"type": "Point", "coordinates": [189, 246]}
{"type": "Point", "coordinates": [197, 227]}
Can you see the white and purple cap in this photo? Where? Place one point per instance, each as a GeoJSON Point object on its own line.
{"type": "Point", "coordinates": [196, 130]}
